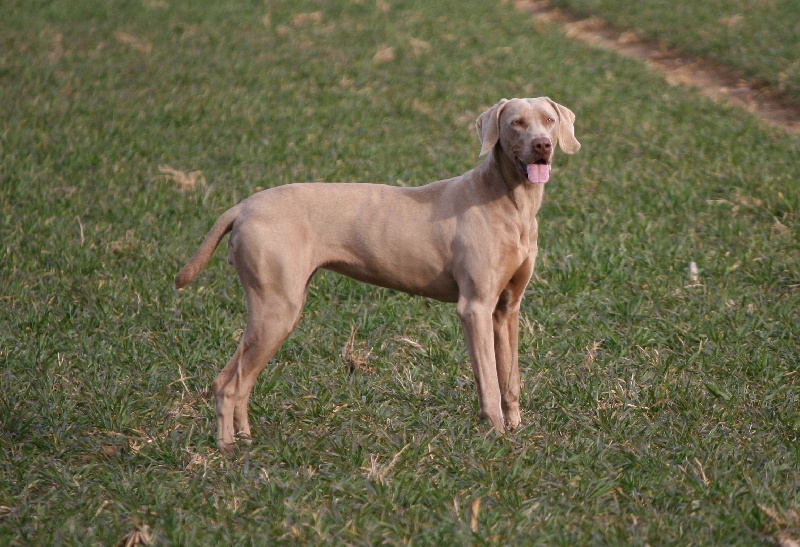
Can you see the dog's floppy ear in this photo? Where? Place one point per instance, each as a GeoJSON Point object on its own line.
{"type": "Point", "coordinates": [488, 126]}
{"type": "Point", "coordinates": [566, 128]}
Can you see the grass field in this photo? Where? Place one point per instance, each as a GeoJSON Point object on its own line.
{"type": "Point", "coordinates": [657, 408]}
{"type": "Point", "coordinates": [758, 39]}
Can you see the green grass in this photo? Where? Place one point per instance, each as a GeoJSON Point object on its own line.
{"type": "Point", "coordinates": [758, 39]}
{"type": "Point", "coordinates": [655, 410]}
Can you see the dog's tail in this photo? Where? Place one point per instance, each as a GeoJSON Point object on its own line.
{"type": "Point", "coordinates": [201, 258]}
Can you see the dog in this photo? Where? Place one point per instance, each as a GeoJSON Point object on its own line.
{"type": "Point", "coordinates": [470, 240]}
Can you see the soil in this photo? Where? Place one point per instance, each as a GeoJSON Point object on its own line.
{"type": "Point", "coordinates": [712, 80]}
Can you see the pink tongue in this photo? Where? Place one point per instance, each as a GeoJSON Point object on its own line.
{"type": "Point", "coordinates": [538, 173]}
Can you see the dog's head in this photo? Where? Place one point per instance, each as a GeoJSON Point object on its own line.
{"type": "Point", "coordinates": [527, 131]}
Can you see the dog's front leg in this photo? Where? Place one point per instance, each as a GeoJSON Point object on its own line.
{"type": "Point", "coordinates": [505, 323]}
{"type": "Point", "coordinates": [476, 318]}
{"type": "Point", "coordinates": [506, 349]}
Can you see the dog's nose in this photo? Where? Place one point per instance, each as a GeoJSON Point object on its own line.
{"type": "Point", "coordinates": [542, 146]}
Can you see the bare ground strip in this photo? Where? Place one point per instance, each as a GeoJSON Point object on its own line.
{"type": "Point", "coordinates": [711, 80]}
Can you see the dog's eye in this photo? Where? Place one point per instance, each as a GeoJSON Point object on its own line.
{"type": "Point", "coordinates": [550, 120]}
{"type": "Point", "coordinates": [518, 122]}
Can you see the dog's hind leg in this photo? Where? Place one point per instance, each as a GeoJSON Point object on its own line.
{"type": "Point", "coordinates": [271, 316]}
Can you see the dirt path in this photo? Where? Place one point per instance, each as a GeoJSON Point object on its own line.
{"type": "Point", "coordinates": [711, 80]}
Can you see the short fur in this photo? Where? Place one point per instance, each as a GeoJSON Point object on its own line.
{"type": "Point", "coordinates": [471, 240]}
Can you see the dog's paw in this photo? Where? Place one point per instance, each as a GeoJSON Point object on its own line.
{"type": "Point", "coordinates": [513, 419]}
{"type": "Point", "coordinates": [227, 449]}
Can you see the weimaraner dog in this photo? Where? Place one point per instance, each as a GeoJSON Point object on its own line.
{"type": "Point", "coordinates": [469, 240]}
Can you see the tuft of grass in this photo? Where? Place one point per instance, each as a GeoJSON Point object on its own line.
{"type": "Point", "coordinates": [658, 407]}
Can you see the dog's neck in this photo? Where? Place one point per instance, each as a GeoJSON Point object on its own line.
{"type": "Point", "coordinates": [525, 196]}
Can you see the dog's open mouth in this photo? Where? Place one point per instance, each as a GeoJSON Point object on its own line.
{"type": "Point", "coordinates": [537, 172]}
